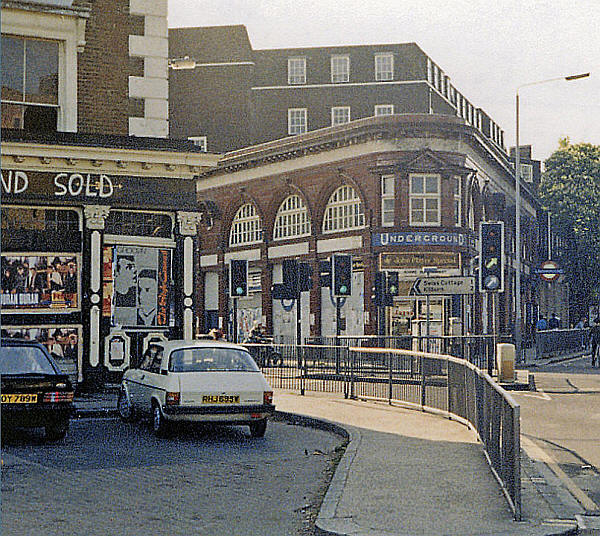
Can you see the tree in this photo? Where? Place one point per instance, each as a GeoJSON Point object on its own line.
{"type": "Point", "coordinates": [570, 190]}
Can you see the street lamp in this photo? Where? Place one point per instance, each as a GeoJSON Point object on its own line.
{"type": "Point", "coordinates": [518, 318]}
{"type": "Point", "coordinates": [179, 64]}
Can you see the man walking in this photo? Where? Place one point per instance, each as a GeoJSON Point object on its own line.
{"type": "Point", "coordinates": [595, 340]}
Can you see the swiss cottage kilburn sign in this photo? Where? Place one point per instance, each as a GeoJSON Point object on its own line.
{"type": "Point", "coordinates": [422, 238]}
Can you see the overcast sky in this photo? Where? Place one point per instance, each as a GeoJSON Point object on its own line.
{"type": "Point", "coordinates": [487, 47]}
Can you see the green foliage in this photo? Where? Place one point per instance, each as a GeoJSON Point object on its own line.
{"type": "Point", "coordinates": [570, 190]}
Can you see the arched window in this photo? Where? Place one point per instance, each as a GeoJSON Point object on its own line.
{"type": "Point", "coordinates": [344, 211]}
{"type": "Point", "coordinates": [292, 219]}
{"type": "Point", "coordinates": [246, 227]}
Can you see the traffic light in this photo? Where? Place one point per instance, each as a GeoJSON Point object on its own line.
{"type": "Point", "coordinates": [491, 257]}
{"type": "Point", "coordinates": [379, 294]}
{"type": "Point", "coordinates": [392, 286]}
{"type": "Point", "coordinates": [304, 277]}
{"type": "Point", "coordinates": [238, 278]}
{"type": "Point", "coordinates": [341, 272]}
{"type": "Point", "coordinates": [290, 277]}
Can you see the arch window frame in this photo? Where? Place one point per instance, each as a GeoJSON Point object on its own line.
{"type": "Point", "coordinates": [292, 219]}
{"type": "Point", "coordinates": [246, 226]}
{"type": "Point", "coordinates": [344, 211]}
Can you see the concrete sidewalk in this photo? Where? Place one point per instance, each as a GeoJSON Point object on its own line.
{"type": "Point", "coordinates": [406, 472]}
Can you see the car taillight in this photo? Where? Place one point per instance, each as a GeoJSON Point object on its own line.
{"type": "Point", "coordinates": [172, 398]}
{"type": "Point", "coordinates": [58, 396]}
{"type": "Point", "coordinates": [268, 397]}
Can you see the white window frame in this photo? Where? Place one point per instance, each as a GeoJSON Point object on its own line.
{"type": "Point", "coordinates": [423, 198]}
{"type": "Point", "coordinates": [382, 75]}
{"type": "Point", "coordinates": [297, 121]}
{"type": "Point", "coordinates": [296, 71]}
{"type": "Point", "coordinates": [457, 198]}
{"type": "Point", "coordinates": [388, 197]}
{"type": "Point", "coordinates": [384, 109]}
{"type": "Point", "coordinates": [340, 69]}
{"type": "Point", "coordinates": [246, 227]}
{"type": "Point", "coordinates": [199, 141]}
{"type": "Point", "coordinates": [344, 211]}
{"type": "Point", "coordinates": [70, 32]}
{"type": "Point", "coordinates": [340, 115]}
{"type": "Point", "coordinates": [526, 172]}
{"type": "Point", "coordinates": [292, 219]}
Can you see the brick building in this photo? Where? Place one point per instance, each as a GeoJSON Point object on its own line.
{"type": "Point", "coordinates": [237, 96]}
{"type": "Point", "coordinates": [99, 212]}
{"type": "Point", "coordinates": [397, 192]}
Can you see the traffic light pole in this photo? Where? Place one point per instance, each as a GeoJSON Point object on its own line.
{"type": "Point", "coordinates": [234, 330]}
{"type": "Point", "coordinates": [338, 315]}
{"type": "Point", "coordinates": [299, 319]}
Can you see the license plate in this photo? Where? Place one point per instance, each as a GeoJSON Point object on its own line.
{"type": "Point", "coordinates": [221, 399]}
{"type": "Point", "coordinates": [24, 398]}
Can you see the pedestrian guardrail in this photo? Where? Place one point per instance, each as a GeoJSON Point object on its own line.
{"type": "Point", "coordinates": [554, 342]}
{"type": "Point", "coordinates": [424, 380]}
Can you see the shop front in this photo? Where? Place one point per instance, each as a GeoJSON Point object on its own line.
{"type": "Point", "coordinates": [97, 254]}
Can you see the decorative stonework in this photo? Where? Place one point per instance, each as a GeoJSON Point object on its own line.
{"type": "Point", "coordinates": [188, 222]}
{"type": "Point", "coordinates": [95, 215]}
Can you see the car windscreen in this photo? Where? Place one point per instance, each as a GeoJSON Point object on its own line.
{"type": "Point", "coordinates": [211, 360]}
{"type": "Point", "coordinates": [24, 360]}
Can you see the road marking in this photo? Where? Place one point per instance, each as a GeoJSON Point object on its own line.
{"type": "Point", "coordinates": [537, 453]}
{"type": "Point", "coordinates": [539, 394]}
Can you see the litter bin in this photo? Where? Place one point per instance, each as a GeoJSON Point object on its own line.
{"type": "Point", "coordinates": [505, 361]}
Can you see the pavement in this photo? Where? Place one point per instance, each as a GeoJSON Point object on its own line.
{"type": "Point", "coordinates": [407, 472]}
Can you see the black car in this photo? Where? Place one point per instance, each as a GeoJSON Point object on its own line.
{"type": "Point", "coordinates": [35, 392]}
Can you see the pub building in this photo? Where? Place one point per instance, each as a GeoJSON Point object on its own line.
{"type": "Point", "coordinates": [99, 246]}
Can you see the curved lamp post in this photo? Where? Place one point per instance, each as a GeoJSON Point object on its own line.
{"type": "Point", "coordinates": [518, 316]}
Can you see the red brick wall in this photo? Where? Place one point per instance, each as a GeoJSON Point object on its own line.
{"type": "Point", "coordinates": [103, 69]}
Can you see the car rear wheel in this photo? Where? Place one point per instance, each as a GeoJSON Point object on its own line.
{"type": "Point", "coordinates": [258, 428]}
{"type": "Point", "coordinates": [160, 426]}
{"type": "Point", "coordinates": [57, 431]}
{"type": "Point", "coordinates": [125, 407]}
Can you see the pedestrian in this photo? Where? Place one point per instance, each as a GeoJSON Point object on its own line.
{"type": "Point", "coordinates": [595, 341]}
{"type": "Point", "coordinates": [554, 322]}
{"type": "Point", "coordinates": [542, 324]}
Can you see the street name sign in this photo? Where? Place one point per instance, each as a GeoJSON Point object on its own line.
{"type": "Point", "coordinates": [443, 286]}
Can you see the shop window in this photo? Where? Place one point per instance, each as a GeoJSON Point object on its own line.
{"type": "Point", "coordinates": [40, 219]}
{"type": "Point", "coordinates": [424, 199]}
{"type": "Point", "coordinates": [292, 219]}
{"type": "Point", "coordinates": [29, 83]}
{"type": "Point", "coordinates": [246, 227]}
{"type": "Point", "coordinates": [128, 223]}
{"type": "Point", "coordinates": [344, 211]}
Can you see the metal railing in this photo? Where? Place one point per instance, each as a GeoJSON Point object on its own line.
{"type": "Point", "coordinates": [437, 382]}
{"type": "Point", "coordinates": [553, 342]}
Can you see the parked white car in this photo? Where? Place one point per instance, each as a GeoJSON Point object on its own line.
{"type": "Point", "coordinates": [197, 381]}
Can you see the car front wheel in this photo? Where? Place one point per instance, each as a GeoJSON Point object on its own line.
{"type": "Point", "coordinates": [57, 430]}
{"type": "Point", "coordinates": [258, 428]}
{"type": "Point", "coordinates": [125, 407]}
{"type": "Point", "coordinates": [160, 426]}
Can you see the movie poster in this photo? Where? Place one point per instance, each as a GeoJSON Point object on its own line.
{"type": "Point", "coordinates": [40, 282]}
{"type": "Point", "coordinates": [140, 286]}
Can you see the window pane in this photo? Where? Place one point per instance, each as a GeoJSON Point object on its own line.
{"type": "Point", "coordinates": [12, 69]}
{"type": "Point", "coordinates": [416, 185]}
{"type": "Point", "coordinates": [431, 185]}
{"type": "Point", "coordinates": [41, 65]}
{"type": "Point", "coordinates": [417, 204]}
{"type": "Point", "coordinates": [388, 185]}
{"type": "Point", "coordinates": [431, 204]}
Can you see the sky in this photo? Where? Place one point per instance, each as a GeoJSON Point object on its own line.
{"type": "Point", "coordinates": [489, 48]}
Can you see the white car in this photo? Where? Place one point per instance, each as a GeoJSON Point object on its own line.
{"type": "Point", "coordinates": [197, 381]}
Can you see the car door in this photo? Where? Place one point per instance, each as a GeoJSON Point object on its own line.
{"type": "Point", "coordinates": [144, 378]}
{"type": "Point", "coordinates": [151, 379]}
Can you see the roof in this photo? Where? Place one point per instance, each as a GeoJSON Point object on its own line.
{"type": "Point", "coordinates": [211, 44]}
{"type": "Point", "coordinates": [169, 346]}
